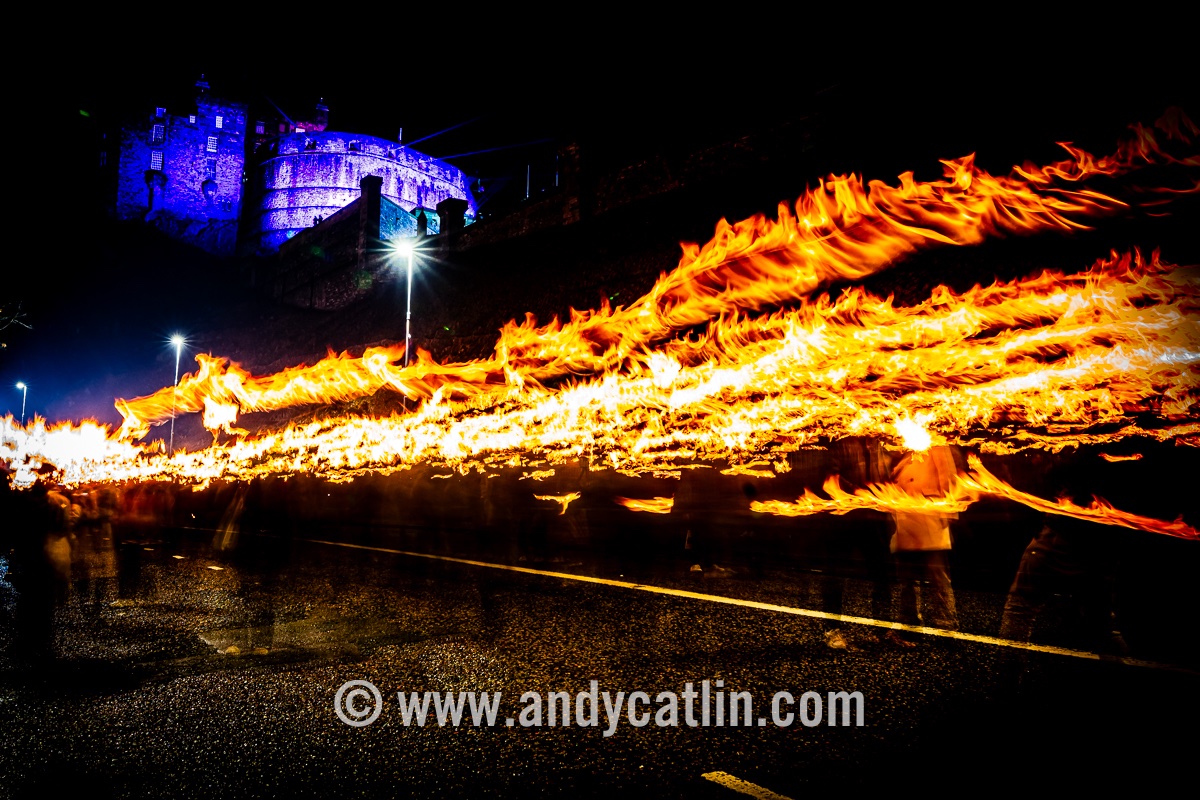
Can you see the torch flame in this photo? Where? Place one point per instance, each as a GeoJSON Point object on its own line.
{"type": "Point", "coordinates": [652, 505]}
{"type": "Point", "coordinates": [841, 231]}
{"type": "Point", "coordinates": [563, 500]}
{"type": "Point", "coordinates": [914, 435]}
{"type": "Point", "coordinates": [1046, 361]}
{"type": "Point", "coordinates": [966, 489]}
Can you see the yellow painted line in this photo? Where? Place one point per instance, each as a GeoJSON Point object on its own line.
{"type": "Point", "coordinates": [739, 785]}
{"type": "Point", "coordinates": [733, 601]}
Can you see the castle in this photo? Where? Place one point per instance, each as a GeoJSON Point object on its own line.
{"type": "Point", "coordinates": [234, 180]}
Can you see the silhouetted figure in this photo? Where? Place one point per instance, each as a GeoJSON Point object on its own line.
{"type": "Point", "coordinates": [1068, 562]}
{"type": "Point", "coordinates": [228, 532]}
{"type": "Point", "coordinates": [147, 512]}
{"type": "Point", "coordinates": [1070, 565]}
{"type": "Point", "coordinates": [94, 562]}
{"type": "Point", "coordinates": [712, 513]}
{"type": "Point", "coordinates": [921, 542]}
{"type": "Point", "coordinates": [39, 567]}
{"type": "Point", "coordinates": [859, 545]}
{"type": "Point", "coordinates": [532, 517]}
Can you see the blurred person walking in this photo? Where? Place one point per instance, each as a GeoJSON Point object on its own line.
{"type": "Point", "coordinates": [921, 542]}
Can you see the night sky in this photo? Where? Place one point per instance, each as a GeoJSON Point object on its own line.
{"type": "Point", "coordinates": [507, 97]}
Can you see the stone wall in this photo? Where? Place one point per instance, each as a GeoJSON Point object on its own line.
{"type": "Point", "coordinates": [186, 170]}
{"type": "Point", "coordinates": [341, 258]}
{"type": "Point", "coordinates": [305, 175]}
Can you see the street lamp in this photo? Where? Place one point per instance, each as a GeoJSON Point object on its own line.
{"type": "Point", "coordinates": [407, 247]}
{"type": "Point", "coordinates": [176, 340]}
{"type": "Point", "coordinates": [24, 393]}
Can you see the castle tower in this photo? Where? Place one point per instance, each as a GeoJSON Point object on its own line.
{"type": "Point", "coordinates": [177, 170]}
{"type": "Point", "coordinates": [302, 175]}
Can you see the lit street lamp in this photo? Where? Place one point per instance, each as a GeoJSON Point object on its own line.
{"type": "Point", "coordinates": [407, 247]}
{"type": "Point", "coordinates": [176, 340]}
{"type": "Point", "coordinates": [24, 393]}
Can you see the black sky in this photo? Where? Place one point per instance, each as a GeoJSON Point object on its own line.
{"type": "Point", "coordinates": [885, 112]}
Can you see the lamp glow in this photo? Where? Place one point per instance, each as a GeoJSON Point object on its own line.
{"type": "Point", "coordinates": [24, 394]}
{"type": "Point", "coordinates": [178, 341]}
{"type": "Point", "coordinates": [407, 247]}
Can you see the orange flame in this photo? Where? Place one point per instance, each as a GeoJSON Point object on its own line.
{"type": "Point", "coordinates": [966, 490]}
{"type": "Point", "coordinates": [652, 505]}
{"type": "Point", "coordinates": [1047, 361]}
{"type": "Point", "coordinates": [222, 389]}
{"type": "Point", "coordinates": [563, 500]}
{"type": "Point", "coordinates": [840, 231]}
{"type": "Point", "coordinates": [983, 482]}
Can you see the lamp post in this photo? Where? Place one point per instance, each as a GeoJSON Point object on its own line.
{"type": "Point", "coordinates": [24, 394]}
{"type": "Point", "coordinates": [407, 247]}
{"type": "Point", "coordinates": [176, 340]}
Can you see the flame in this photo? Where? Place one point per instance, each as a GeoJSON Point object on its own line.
{"type": "Point", "coordinates": [980, 481]}
{"type": "Point", "coordinates": [876, 497]}
{"type": "Point", "coordinates": [913, 433]}
{"type": "Point", "coordinates": [731, 358]}
{"type": "Point", "coordinates": [1113, 459]}
{"type": "Point", "coordinates": [653, 505]}
{"type": "Point", "coordinates": [222, 389]}
{"type": "Point", "coordinates": [1045, 362]}
{"type": "Point", "coordinates": [841, 231]}
{"type": "Point", "coordinates": [966, 489]}
{"type": "Point", "coordinates": [759, 469]}
{"type": "Point", "coordinates": [563, 500]}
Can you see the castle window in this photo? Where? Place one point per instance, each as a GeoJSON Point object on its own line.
{"type": "Point", "coordinates": [220, 122]}
{"type": "Point", "coordinates": [156, 159]}
{"type": "Point", "coordinates": [159, 113]}
{"type": "Point", "coordinates": [212, 144]}
{"type": "Point", "coordinates": [103, 158]}
{"type": "Point", "coordinates": [353, 145]}
{"type": "Point", "coordinates": [158, 133]}
{"type": "Point", "coordinates": [259, 127]}
{"type": "Point", "coordinates": [192, 118]}
{"type": "Point", "coordinates": [210, 170]}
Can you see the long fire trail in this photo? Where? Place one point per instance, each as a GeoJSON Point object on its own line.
{"type": "Point", "coordinates": [734, 357]}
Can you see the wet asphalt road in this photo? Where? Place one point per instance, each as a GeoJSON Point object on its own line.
{"type": "Point", "coordinates": [154, 674]}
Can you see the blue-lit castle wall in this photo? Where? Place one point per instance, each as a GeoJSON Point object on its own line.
{"type": "Point", "coordinates": [302, 178]}
{"type": "Point", "coordinates": [183, 173]}
{"type": "Point", "coordinates": [203, 178]}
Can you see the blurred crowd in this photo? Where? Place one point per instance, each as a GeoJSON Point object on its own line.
{"type": "Point", "coordinates": [83, 544]}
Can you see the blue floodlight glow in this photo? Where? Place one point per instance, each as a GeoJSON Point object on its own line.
{"type": "Point", "coordinates": [190, 167]}
{"type": "Point", "coordinates": [316, 174]}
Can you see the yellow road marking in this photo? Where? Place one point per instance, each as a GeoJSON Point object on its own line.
{"type": "Point", "coordinates": [745, 787]}
{"type": "Point", "coordinates": [734, 601]}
